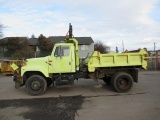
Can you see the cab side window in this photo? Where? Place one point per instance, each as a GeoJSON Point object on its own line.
{"type": "Point", "coordinates": [61, 51]}
{"type": "Point", "coordinates": [65, 51]}
{"type": "Point", "coordinates": [57, 52]}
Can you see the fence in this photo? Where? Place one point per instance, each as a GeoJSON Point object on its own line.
{"type": "Point", "coordinates": [154, 63]}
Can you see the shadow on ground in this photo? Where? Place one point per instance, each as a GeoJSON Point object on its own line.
{"type": "Point", "coordinates": [58, 108]}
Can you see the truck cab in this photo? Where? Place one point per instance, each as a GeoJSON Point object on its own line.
{"type": "Point", "coordinates": [62, 59]}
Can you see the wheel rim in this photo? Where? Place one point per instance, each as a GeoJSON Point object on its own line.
{"type": "Point", "coordinates": [123, 83]}
{"type": "Point", "coordinates": [35, 85]}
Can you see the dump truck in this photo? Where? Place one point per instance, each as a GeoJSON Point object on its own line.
{"type": "Point", "coordinates": [63, 67]}
{"type": "Point", "coordinates": [0, 64]}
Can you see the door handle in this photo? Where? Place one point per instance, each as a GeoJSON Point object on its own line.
{"type": "Point", "coordinates": [48, 63]}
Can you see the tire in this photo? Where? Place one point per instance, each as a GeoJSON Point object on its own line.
{"type": "Point", "coordinates": [36, 85]}
{"type": "Point", "coordinates": [122, 82]}
{"type": "Point", "coordinates": [107, 80]}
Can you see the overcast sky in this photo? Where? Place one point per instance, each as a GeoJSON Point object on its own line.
{"type": "Point", "coordinates": [135, 22]}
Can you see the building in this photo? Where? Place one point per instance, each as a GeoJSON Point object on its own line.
{"type": "Point", "coordinates": [154, 60]}
{"type": "Point", "coordinates": [85, 44]}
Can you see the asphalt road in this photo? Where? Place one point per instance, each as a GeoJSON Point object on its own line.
{"type": "Point", "coordinates": [83, 101]}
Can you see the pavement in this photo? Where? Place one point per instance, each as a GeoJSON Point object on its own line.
{"type": "Point", "coordinates": [83, 101]}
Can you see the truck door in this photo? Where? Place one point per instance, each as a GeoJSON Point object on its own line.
{"type": "Point", "coordinates": [63, 60]}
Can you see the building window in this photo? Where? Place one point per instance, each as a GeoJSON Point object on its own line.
{"type": "Point", "coordinates": [84, 47]}
{"type": "Point", "coordinates": [37, 49]}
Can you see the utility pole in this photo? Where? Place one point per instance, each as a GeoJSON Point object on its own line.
{"type": "Point", "coordinates": [123, 45]}
{"type": "Point", "coordinates": [155, 55]}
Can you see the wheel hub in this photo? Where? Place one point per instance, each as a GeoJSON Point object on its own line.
{"type": "Point", "coordinates": [35, 85]}
{"type": "Point", "coordinates": [123, 83]}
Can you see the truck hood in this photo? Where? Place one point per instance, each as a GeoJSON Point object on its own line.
{"type": "Point", "coordinates": [37, 61]}
{"type": "Point", "coordinates": [37, 65]}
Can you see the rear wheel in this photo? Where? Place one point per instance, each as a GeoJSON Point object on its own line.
{"type": "Point", "coordinates": [122, 82]}
{"type": "Point", "coordinates": [36, 85]}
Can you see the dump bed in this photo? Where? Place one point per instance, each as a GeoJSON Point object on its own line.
{"type": "Point", "coordinates": [136, 58]}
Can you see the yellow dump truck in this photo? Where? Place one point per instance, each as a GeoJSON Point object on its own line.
{"type": "Point", "coordinates": [6, 66]}
{"type": "Point", "coordinates": [0, 65]}
{"type": "Point", "coordinates": [63, 66]}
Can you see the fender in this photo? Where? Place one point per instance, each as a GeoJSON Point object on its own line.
{"type": "Point", "coordinates": [41, 69]}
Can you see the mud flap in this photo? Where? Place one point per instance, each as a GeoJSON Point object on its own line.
{"type": "Point", "coordinates": [18, 81]}
{"type": "Point", "coordinates": [134, 74]}
{"type": "Point", "coordinates": [18, 84]}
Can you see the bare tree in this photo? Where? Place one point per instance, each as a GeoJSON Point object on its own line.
{"type": "Point", "coordinates": [1, 30]}
{"type": "Point", "coordinates": [117, 49]}
{"type": "Point", "coordinates": [101, 47]}
{"type": "Point", "coordinates": [33, 36]}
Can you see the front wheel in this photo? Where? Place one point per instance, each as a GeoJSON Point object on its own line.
{"type": "Point", "coordinates": [122, 82]}
{"type": "Point", "coordinates": [36, 85]}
